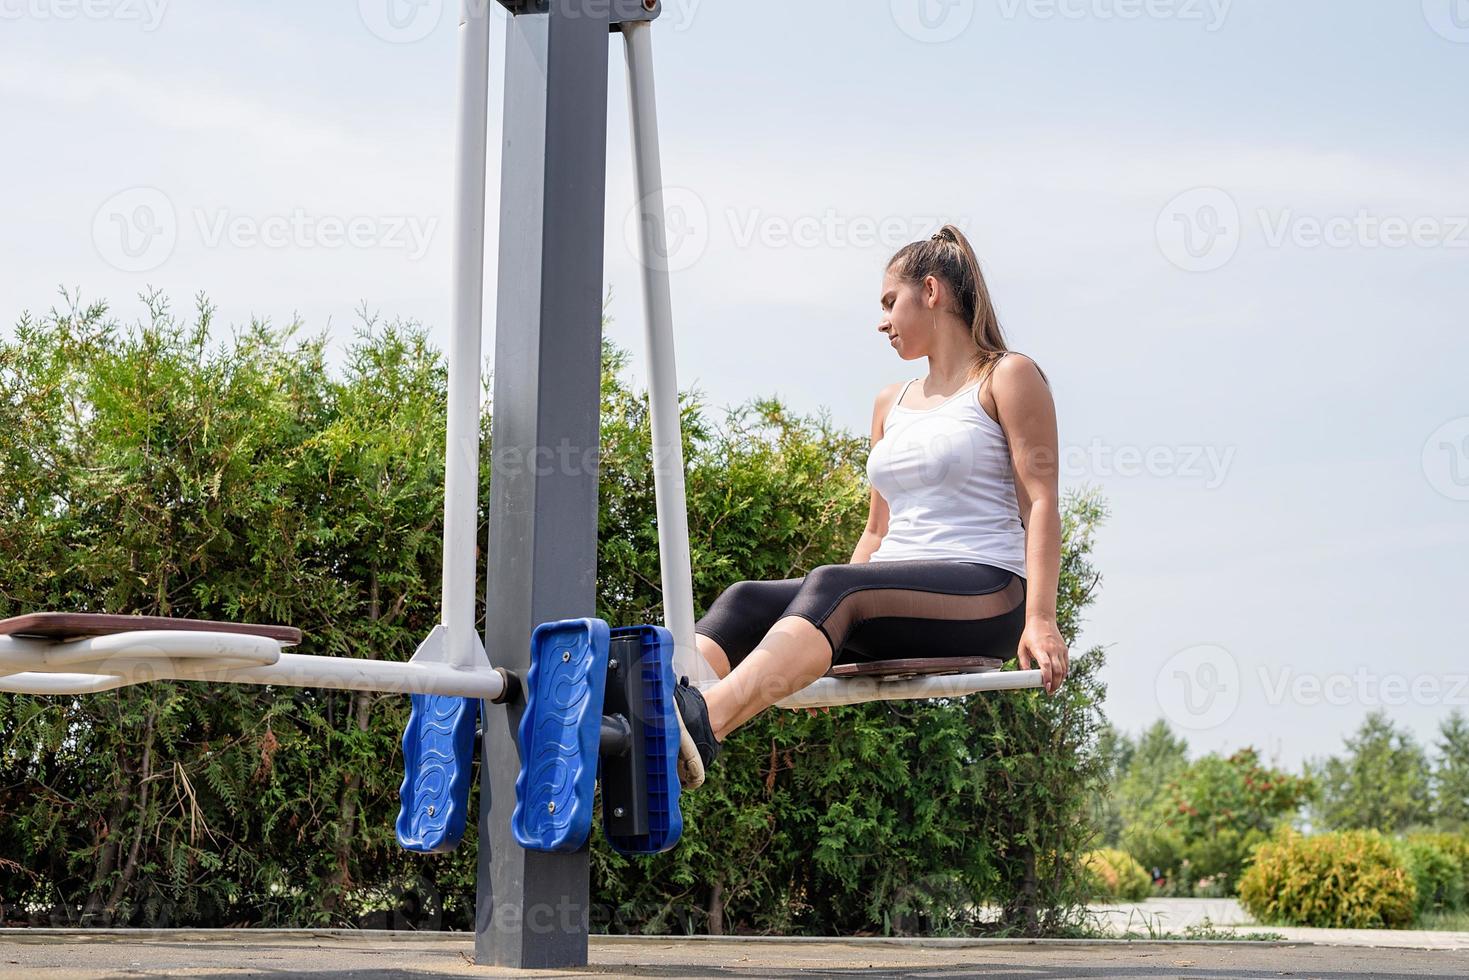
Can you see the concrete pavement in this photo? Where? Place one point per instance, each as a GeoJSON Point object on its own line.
{"type": "Point", "coordinates": [1158, 916]}
{"type": "Point", "coordinates": [63, 955]}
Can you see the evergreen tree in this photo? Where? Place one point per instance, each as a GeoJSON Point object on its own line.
{"type": "Point", "coordinates": [1451, 774]}
{"type": "Point", "coordinates": [1115, 749]}
{"type": "Point", "coordinates": [1144, 795]}
{"type": "Point", "coordinates": [1382, 783]}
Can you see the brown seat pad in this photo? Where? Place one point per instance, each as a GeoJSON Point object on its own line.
{"type": "Point", "coordinates": [75, 626]}
{"type": "Point", "coordinates": [932, 665]}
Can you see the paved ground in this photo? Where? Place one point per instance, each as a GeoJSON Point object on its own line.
{"type": "Point", "coordinates": [1157, 916]}
{"type": "Point", "coordinates": [1173, 914]}
{"type": "Point", "coordinates": [379, 956]}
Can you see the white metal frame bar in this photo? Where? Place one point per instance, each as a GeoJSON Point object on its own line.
{"type": "Point", "coordinates": [102, 663]}
{"type": "Point", "coordinates": [89, 666]}
{"type": "Point", "coordinates": [833, 691]}
{"type": "Point", "coordinates": [668, 462]}
{"type": "Point", "coordinates": [461, 450]}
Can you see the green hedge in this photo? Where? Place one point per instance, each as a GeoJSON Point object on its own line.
{"type": "Point", "coordinates": [148, 470]}
{"type": "Point", "coordinates": [1436, 861]}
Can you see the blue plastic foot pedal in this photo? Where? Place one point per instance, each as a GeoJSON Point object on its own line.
{"type": "Point", "coordinates": [658, 718]}
{"type": "Point", "coordinates": [438, 753]}
{"type": "Point", "coordinates": [560, 735]}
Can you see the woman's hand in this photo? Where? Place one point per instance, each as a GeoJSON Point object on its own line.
{"type": "Point", "coordinates": [1041, 646]}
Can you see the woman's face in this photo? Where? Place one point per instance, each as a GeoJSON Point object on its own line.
{"type": "Point", "coordinates": [906, 317]}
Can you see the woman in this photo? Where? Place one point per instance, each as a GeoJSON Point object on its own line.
{"type": "Point", "coordinates": [963, 542]}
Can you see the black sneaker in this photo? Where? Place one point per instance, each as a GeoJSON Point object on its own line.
{"type": "Point", "coordinates": [697, 746]}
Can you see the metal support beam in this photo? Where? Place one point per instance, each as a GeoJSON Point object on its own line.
{"type": "Point", "coordinates": [461, 450]}
{"type": "Point", "coordinates": [668, 462]}
{"type": "Point", "coordinates": [532, 909]}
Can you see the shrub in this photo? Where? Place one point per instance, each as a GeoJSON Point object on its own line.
{"type": "Point", "coordinates": [1456, 844]}
{"type": "Point", "coordinates": [1222, 809]}
{"type": "Point", "coordinates": [1116, 876]}
{"type": "Point", "coordinates": [1347, 880]}
{"type": "Point", "coordinates": [1436, 862]}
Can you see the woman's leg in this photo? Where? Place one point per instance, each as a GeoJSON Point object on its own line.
{"type": "Point", "coordinates": [735, 623]}
{"type": "Point", "coordinates": [929, 608]}
{"type": "Point", "coordinates": [713, 654]}
{"type": "Point", "coordinates": [738, 619]}
{"type": "Point", "coordinates": [792, 654]}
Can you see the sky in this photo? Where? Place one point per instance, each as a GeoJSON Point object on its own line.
{"type": "Point", "coordinates": [1235, 235]}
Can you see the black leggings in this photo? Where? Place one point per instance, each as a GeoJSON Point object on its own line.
{"type": "Point", "coordinates": [883, 610]}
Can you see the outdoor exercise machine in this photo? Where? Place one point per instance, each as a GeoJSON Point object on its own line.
{"type": "Point", "coordinates": [559, 697]}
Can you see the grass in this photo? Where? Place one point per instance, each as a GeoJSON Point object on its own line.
{"type": "Point", "coordinates": [1444, 921]}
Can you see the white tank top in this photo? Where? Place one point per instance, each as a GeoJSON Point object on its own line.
{"type": "Point", "coordinates": [945, 473]}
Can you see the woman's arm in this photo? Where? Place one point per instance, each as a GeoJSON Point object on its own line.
{"type": "Point", "coordinates": [1028, 416]}
{"type": "Point", "coordinates": [877, 508]}
{"type": "Point", "coordinates": [877, 512]}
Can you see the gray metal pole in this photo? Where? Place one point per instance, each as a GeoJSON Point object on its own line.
{"type": "Point", "coordinates": [461, 457]}
{"type": "Point", "coordinates": [532, 909]}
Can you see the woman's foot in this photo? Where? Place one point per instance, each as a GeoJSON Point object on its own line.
{"type": "Point", "coordinates": [697, 746]}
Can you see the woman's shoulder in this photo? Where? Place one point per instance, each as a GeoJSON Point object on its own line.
{"type": "Point", "coordinates": [1014, 360]}
{"type": "Point", "coordinates": [1013, 367]}
{"type": "Point", "coordinates": [1016, 380]}
{"type": "Point", "coordinates": [888, 396]}
{"type": "Point", "coordinates": [886, 399]}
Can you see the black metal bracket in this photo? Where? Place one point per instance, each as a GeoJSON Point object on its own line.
{"type": "Point", "coordinates": [623, 760]}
